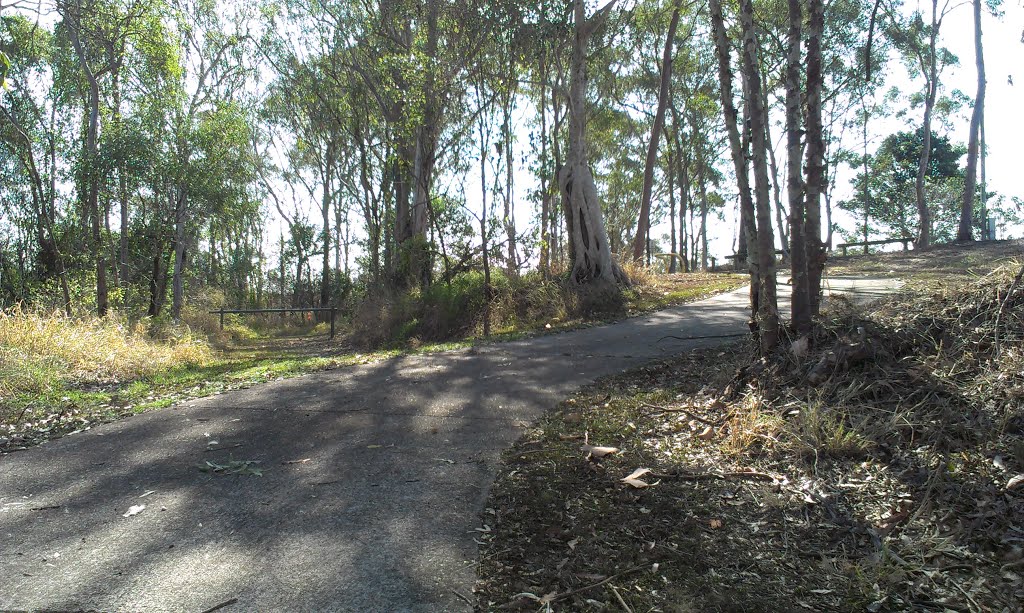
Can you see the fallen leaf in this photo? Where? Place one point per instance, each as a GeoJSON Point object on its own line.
{"type": "Point", "coordinates": [134, 510]}
{"type": "Point", "coordinates": [1014, 482]}
{"type": "Point", "coordinates": [374, 446]}
{"type": "Point", "coordinates": [707, 434]}
{"type": "Point", "coordinates": [633, 479]}
{"type": "Point", "coordinates": [715, 524]}
{"type": "Point", "coordinates": [599, 452]}
{"type": "Point", "coordinates": [572, 544]}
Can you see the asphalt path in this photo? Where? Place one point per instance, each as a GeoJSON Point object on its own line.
{"type": "Point", "coordinates": [373, 480]}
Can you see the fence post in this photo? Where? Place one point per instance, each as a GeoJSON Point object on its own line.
{"type": "Point", "coordinates": [333, 311]}
{"type": "Point", "coordinates": [222, 318]}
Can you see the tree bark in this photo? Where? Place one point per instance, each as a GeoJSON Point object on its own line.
{"type": "Point", "coordinates": [592, 262]}
{"type": "Point", "coordinates": [816, 180]}
{"type": "Point", "coordinates": [965, 233]}
{"type": "Point", "coordinates": [767, 315]}
{"type": "Point", "coordinates": [90, 176]}
{"type": "Point", "coordinates": [748, 230]}
{"type": "Point", "coordinates": [800, 300]}
{"type": "Point", "coordinates": [325, 209]}
{"type": "Point", "coordinates": [178, 281]}
{"type": "Point", "coordinates": [545, 198]}
{"type": "Point", "coordinates": [924, 236]}
{"type": "Point", "coordinates": [644, 223]}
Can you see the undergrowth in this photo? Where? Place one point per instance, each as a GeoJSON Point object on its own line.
{"type": "Point", "coordinates": [880, 469]}
{"type": "Point", "coordinates": [39, 352]}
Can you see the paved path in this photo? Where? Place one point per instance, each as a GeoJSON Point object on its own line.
{"type": "Point", "coordinates": [380, 518]}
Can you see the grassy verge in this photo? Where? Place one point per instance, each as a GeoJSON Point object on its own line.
{"type": "Point", "coordinates": [879, 471]}
{"type": "Point", "coordinates": [60, 375]}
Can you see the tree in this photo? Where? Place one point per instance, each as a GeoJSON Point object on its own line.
{"type": "Point", "coordinates": [918, 42]}
{"type": "Point", "coordinates": [98, 32]}
{"type": "Point", "coordinates": [644, 223]}
{"type": "Point", "coordinates": [891, 177]}
{"type": "Point", "coordinates": [592, 263]}
{"type": "Point", "coordinates": [767, 312]}
{"type": "Point", "coordinates": [965, 231]}
{"type": "Point", "coordinates": [741, 166]}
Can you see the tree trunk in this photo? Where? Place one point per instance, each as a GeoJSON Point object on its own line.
{"type": "Point", "coordinates": [592, 262]}
{"type": "Point", "coordinates": [924, 236]}
{"type": "Point", "coordinates": [90, 176]}
{"type": "Point", "coordinates": [545, 198]}
{"type": "Point", "coordinates": [780, 214]}
{"type": "Point", "coordinates": [644, 223]}
{"type": "Point", "coordinates": [816, 180]}
{"type": "Point", "coordinates": [748, 243]}
{"type": "Point", "coordinates": [800, 300]}
{"type": "Point", "coordinates": [178, 282]}
{"type": "Point", "coordinates": [966, 231]}
{"type": "Point", "coordinates": [671, 180]}
{"type": "Point", "coordinates": [768, 316]}
{"type": "Point", "coordinates": [325, 209]}
{"type": "Point", "coordinates": [509, 218]}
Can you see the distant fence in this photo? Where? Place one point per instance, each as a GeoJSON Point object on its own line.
{"type": "Point", "coordinates": [222, 312]}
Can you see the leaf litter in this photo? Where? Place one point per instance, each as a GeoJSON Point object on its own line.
{"type": "Point", "coordinates": [892, 482]}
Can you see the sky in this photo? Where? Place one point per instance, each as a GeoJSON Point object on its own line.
{"type": "Point", "coordinates": [1004, 59]}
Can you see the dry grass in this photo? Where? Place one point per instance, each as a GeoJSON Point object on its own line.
{"type": "Point", "coordinates": [38, 351]}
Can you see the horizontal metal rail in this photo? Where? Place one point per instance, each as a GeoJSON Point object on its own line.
{"type": "Point", "coordinates": [222, 312]}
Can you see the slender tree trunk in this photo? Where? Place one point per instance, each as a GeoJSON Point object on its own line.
{"type": "Point", "coordinates": [509, 219]}
{"type": "Point", "coordinates": [867, 176]}
{"type": "Point", "coordinates": [683, 172]}
{"type": "Point", "coordinates": [90, 176]}
{"type": "Point", "coordinates": [780, 214]}
{"type": "Point", "coordinates": [325, 208]}
{"type": "Point", "coordinates": [644, 223]}
{"type": "Point", "coordinates": [178, 283]}
{"type": "Point", "coordinates": [816, 178]}
{"type": "Point", "coordinates": [484, 148]}
{"type": "Point", "coordinates": [545, 198]}
{"type": "Point", "coordinates": [966, 231]}
{"type": "Point", "coordinates": [800, 300]}
{"type": "Point", "coordinates": [932, 87]}
{"type": "Point", "coordinates": [671, 205]}
{"type": "Point", "coordinates": [748, 243]}
{"type": "Point", "coordinates": [768, 316]}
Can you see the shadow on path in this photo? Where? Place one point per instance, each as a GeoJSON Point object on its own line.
{"type": "Point", "coordinates": [373, 480]}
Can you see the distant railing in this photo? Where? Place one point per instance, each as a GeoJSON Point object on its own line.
{"type": "Point", "coordinates": [222, 312]}
{"type": "Point", "coordinates": [906, 240]}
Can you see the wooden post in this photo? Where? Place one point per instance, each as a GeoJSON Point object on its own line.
{"type": "Point", "coordinates": [334, 310]}
{"type": "Point", "coordinates": [222, 318]}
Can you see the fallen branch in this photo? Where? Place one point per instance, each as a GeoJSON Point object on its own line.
{"type": "Point", "coordinates": [221, 605]}
{"type": "Point", "coordinates": [625, 607]}
{"type": "Point", "coordinates": [223, 448]}
{"type": "Point", "coordinates": [738, 474]}
{"type": "Point", "coordinates": [696, 417]}
{"type": "Point", "coordinates": [568, 593]}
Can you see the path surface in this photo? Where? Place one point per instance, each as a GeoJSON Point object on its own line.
{"type": "Point", "coordinates": [380, 518]}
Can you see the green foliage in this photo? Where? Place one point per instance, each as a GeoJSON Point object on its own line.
{"type": "Point", "coordinates": [893, 173]}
